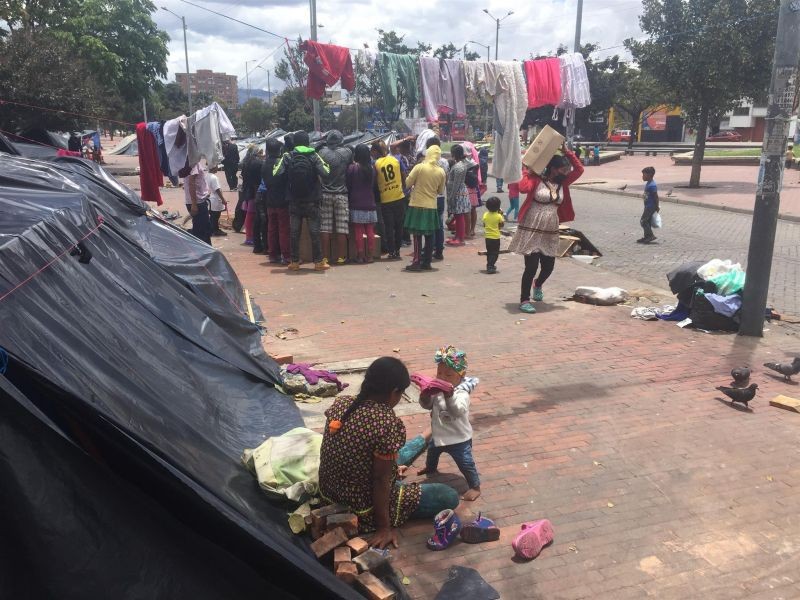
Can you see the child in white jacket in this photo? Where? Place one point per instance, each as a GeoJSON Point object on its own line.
{"type": "Point", "coordinates": [452, 431]}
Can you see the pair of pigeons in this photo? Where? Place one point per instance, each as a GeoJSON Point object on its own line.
{"type": "Point", "coordinates": [741, 376]}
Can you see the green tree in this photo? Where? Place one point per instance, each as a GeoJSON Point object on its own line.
{"type": "Point", "coordinates": [256, 115]}
{"type": "Point", "coordinates": [291, 69]}
{"type": "Point", "coordinates": [291, 111]}
{"type": "Point", "coordinates": [707, 55]}
{"type": "Point", "coordinates": [637, 93]}
{"type": "Point", "coordinates": [26, 59]}
{"type": "Point", "coordinates": [450, 51]}
{"type": "Point", "coordinates": [118, 40]}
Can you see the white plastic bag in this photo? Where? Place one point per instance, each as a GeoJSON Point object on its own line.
{"type": "Point", "coordinates": [655, 220]}
{"type": "Point", "coordinates": [717, 267]}
{"type": "Point", "coordinates": [600, 296]}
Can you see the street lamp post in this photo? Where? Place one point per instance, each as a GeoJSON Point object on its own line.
{"type": "Point", "coordinates": [247, 75]}
{"type": "Point", "coordinates": [186, 56]}
{"type": "Point", "coordinates": [487, 46]}
{"type": "Point", "coordinates": [497, 30]}
{"type": "Point", "coordinates": [269, 91]}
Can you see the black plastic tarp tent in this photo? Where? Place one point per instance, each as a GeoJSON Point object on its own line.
{"type": "Point", "coordinates": [133, 384]}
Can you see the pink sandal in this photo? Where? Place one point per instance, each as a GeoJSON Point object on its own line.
{"type": "Point", "coordinates": [534, 536]}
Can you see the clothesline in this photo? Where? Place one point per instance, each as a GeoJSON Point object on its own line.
{"type": "Point", "coordinates": [66, 112]}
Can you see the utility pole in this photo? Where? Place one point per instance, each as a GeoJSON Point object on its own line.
{"type": "Point", "coordinates": [782, 94]}
{"type": "Point", "coordinates": [576, 48]}
{"type": "Point", "coordinates": [186, 56]}
{"type": "Point", "coordinates": [497, 29]}
{"type": "Point", "coordinates": [313, 7]}
{"type": "Point", "coordinates": [269, 89]}
{"type": "Point", "coordinates": [144, 110]}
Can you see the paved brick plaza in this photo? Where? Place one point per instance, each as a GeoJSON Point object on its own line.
{"type": "Point", "coordinates": [609, 427]}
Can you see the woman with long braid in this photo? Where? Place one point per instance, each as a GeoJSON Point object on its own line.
{"type": "Point", "coordinates": [361, 443]}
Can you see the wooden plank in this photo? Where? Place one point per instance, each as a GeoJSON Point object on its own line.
{"type": "Point", "coordinates": [249, 306]}
{"type": "Point", "coordinates": [786, 403]}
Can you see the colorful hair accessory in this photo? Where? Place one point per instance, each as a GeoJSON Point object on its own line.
{"type": "Point", "coordinates": [453, 358]}
{"type": "Point", "coordinates": [334, 426]}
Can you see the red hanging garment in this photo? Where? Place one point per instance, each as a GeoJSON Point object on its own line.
{"type": "Point", "coordinates": [544, 82]}
{"type": "Point", "coordinates": [326, 65]}
{"type": "Point", "coordinates": [150, 176]}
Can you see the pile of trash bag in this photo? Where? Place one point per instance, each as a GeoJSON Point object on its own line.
{"type": "Point", "coordinates": [708, 293]}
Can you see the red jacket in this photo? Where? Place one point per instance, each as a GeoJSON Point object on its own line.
{"type": "Point", "coordinates": [529, 183]}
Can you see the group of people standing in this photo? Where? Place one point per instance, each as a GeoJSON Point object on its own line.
{"type": "Point", "coordinates": [365, 192]}
{"type": "Point", "coordinates": [371, 190]}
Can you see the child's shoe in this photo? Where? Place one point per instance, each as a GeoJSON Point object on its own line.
{"type": "Point", "coordinates": [446, 526]}
{"type": "Point", "coordinates": [322, 265]}
{"type": "Point", "coordinates": [480, 530]}
{"type": "Point", "coordinates": [293, 266]}
{"type": "Point", "coordinates": [533, 537]}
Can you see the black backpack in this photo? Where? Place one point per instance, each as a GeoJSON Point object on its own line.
{"type": "Point", "coordinates": [302, 176]}
{"type": "Point", "coordinates": [471, 178]}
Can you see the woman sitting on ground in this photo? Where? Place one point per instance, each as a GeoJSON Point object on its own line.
{"type": "Point", "coordinates": [361, 443]}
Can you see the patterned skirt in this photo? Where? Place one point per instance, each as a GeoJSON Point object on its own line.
{"type": "Point", "coordinates": [538, 231]}
{"type": "Point", "coordinates": [462, 203]}
{"type": "Point", "coordinates": [363, 216]}
{"type": "Point", "coordinates": [421, 221]}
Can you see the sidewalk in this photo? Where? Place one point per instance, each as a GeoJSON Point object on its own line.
{"type": "Point", "coordinates": [608, 426]}
{"type": "Point", "coordinates": [725, 187]}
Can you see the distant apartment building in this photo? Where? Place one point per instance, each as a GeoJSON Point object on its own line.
{"type": "Point", "coordinates": [220, 86]}
{"type": "Point", "coordinates": [749, 119]}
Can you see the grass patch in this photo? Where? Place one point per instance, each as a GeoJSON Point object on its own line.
{"type": "Point", "coordinates": [736, 152]}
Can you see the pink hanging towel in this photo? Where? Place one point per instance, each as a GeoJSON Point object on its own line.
{"type": "Point", "coordinates": [544, 82]}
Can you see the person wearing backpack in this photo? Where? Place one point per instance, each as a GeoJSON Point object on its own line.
{"type": "Point", "coordinates": [303, 170]}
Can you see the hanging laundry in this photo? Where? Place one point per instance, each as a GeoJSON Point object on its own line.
{"type": "Point", "coordinates": [175, 143]}
{"type": "Point", "coordinates": [205, 132]}
{"type": "Point", "coordinates": [443, 86]}
{"type": "Point", "coordinates": [574, 81]}
{"type": "Point", "coordinates": [156, 128]}
{"type": "Point", "coordinates": [150, 178]}
{"type": "Point", "coordinates": [505, 83]}
{"type": "Point", "coordinates": [394, 69]}
{"type": "Point", "coordinates": [544, 82]}
{"type": "Point", "coordinates": [326, 65]}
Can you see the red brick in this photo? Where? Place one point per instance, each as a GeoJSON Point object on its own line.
{"type": "Point", "coordinates": [328, 542]}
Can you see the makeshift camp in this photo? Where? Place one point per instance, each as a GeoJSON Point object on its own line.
{"type": "Point", "coordinates": [133, 382]}
{"type": "Point", "coordinates": [127, 146]}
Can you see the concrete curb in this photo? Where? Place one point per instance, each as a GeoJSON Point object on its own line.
{"type": "Point", "coordinates": [744, 211]}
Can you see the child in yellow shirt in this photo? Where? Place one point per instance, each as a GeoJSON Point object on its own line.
{"type": "Point", "coordinates": [492, 224]}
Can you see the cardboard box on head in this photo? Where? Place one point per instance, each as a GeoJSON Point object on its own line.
{"type": "Point", "coordinates": [543, 148]}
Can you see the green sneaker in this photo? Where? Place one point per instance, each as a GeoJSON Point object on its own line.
{"type": "Point", "coordinates": [538, 294]}
{"type": "Point", "coordinates": [527, 307]}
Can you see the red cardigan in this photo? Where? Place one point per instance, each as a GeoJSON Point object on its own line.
{"type": "Point", "coordinates": [529, 183]}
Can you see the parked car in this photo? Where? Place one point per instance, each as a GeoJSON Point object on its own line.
{"type": "Point", "coordinates": [620, 135]}
{"type": "Point", "coordinates": [725, 136]}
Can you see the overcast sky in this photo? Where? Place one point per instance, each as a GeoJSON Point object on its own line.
{"type": "Point", "coordinates": [536, 28]}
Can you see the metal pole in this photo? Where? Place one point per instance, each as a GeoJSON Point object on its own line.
{"type": "Point", "coordinates": [576, 48]}
{"type": "Point", "coordinates": [269, 90]}
{"type": "Point", "coordinates": [313, 4]}
{"type": "Point", "coordinates": [188, 76]}
{"type": "Point", "coordinates": [496, 38]}
{"type": "Point", "coordinates": [144, 110]}
{"type": "Point", "coordinates": [247, 77]}
{"type": "Point", "coordinates": [782, 93]}
{"type": "Point", "coordinates": [358, 104]}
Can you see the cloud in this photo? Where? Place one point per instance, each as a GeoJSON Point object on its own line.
{"type": "Point", "coordinates": [223, 45]}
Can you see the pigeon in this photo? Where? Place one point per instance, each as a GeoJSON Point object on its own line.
{"type": "Point", "coordinates": [741, 375]}
{"type": "Point", "coordinates": [623, 188]}
{"type": "Point", "coordinates": [743, 395]}
{"type": "Point", "coordinates": [669, 193]}
{"type": "Point", "coordinates": [785, 369]}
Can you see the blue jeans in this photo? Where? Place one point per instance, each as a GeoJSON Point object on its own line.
{"type": "Point", "coordinates": [462, 456]}
{"type": "Point", "coordinates": [435, 498]}
{"type": "Point", "coordinates": [439, 244]}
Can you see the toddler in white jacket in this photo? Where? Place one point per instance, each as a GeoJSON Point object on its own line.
{"type": "Point", "coordinates": [452, 431]}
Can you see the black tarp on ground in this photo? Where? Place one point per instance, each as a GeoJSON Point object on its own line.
{"type": "Point", "coordinates": [151, 377]}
